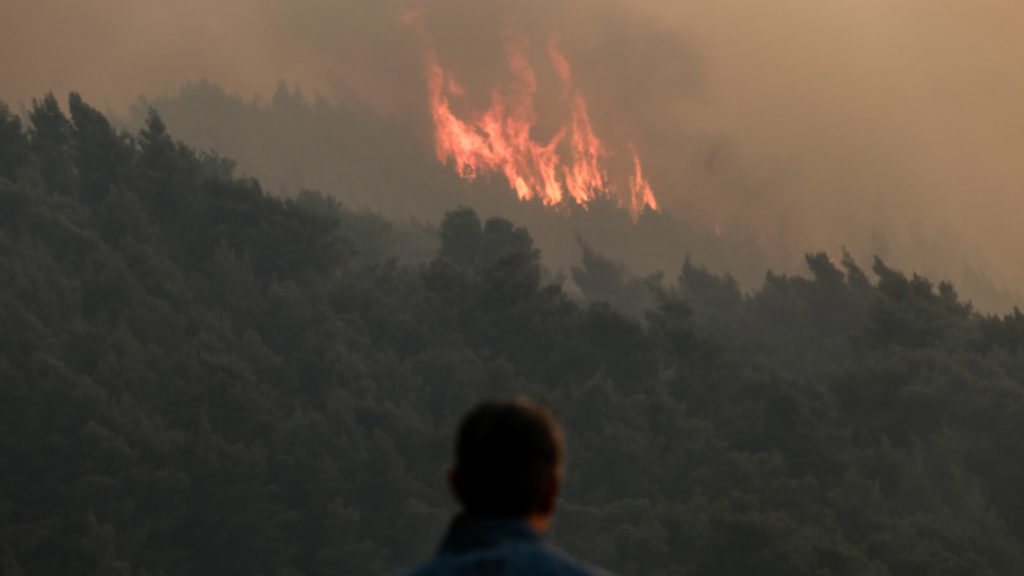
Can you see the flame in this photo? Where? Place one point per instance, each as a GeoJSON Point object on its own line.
{"type": "Point", "coordinates": [640, 190]}
{"type": "Point", "coordinates": [499, 140]}
{"type": "Point", "coordinates": [585, 175]}
{"type": "Point", "coordinates": [571, 166]}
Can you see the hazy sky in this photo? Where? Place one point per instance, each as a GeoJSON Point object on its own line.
{"type": "Point", "coordinates": [809, 123]}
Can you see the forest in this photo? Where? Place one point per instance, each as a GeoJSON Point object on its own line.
{"type": "Point", "coordinates": [380, 162]}
{"type": "Point", "coordinates": [197, 376]}
{"type": "Point", "coordinates": [372, 160]}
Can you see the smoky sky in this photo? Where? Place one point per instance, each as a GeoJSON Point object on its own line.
{"type": "Point", "coordinates": [889, 126]}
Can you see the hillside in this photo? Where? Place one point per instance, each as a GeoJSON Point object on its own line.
{"type": "Point", "coordinates": [368, 160]}
{"type": "Point", "coordinates": [199, 377]}
{"type": "Point", "coordinates": [386, 163]}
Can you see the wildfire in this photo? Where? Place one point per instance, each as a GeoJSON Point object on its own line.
{"type": "Point", "coordinates": [640, 189]}
{"type": "Point", "coordinates": [498, 140]}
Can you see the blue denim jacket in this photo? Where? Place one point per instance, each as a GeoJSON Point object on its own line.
{"type": "Point", "coordinates": [499, 547]}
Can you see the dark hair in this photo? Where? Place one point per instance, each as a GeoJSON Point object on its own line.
{"type": "Point", "coordinates": [507, 454]}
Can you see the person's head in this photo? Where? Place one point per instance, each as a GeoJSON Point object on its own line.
{"type": "Point", "coordinates": [509, 457]}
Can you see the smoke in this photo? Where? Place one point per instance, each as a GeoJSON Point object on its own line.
{"type": "Point", "coordinates": [894, 119]}
{"type": "Point", "coordinates": [890, 126]}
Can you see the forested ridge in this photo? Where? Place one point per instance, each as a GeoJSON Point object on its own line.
{"type": "Point", "coordinates": [199, 378]}
{"type": "Point", "coordinates": [368, 159]}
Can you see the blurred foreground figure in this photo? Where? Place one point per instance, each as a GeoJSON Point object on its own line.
{"type": "Point", "coordinates": [509, 462]}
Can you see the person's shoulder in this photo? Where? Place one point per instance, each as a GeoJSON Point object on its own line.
{"type": "Point", "coordinates": [517, 560]}
{"type": "Point", "coordinates": [566, 565]}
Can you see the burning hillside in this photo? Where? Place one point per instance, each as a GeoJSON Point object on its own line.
{"type": "Point", "coordinates": [570, 167]}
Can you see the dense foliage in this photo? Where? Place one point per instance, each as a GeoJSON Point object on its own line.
{"type": "Point", "coordinates": [196, 377]}
{"type": "Point", "coordinates": [367, 159]}
{"type": "Point", "coordinates": [386, 163]}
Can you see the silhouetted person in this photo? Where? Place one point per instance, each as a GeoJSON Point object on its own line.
{"type": "Point", "coordinates": [509, 462]}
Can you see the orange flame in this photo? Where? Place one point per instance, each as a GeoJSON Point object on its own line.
{"type": "Point", "coordinates": [498, 140]}
{"type": "Point", "coordinates": [585, 174]}
{"type": "Point", "coordinates": [640, 190]}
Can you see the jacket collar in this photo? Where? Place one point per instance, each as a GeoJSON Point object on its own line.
{"type": "Point", "coordinates": [466, 534]}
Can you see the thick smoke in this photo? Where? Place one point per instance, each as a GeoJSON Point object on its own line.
{"type": "Point", "coordinates": [886, 126]}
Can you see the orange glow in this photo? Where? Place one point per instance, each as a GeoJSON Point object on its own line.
{"type": "Point", "coordinates": [499, 139]}
{"type": "Point", "coordinates": [640, 190]}
{"type": "Point", "coordinates": [585, 175]}
{"type": "Point", "coordinates": [570, 167]}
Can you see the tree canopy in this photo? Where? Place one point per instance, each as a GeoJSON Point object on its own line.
{"type": "Point", "coordinates": [198, 377]}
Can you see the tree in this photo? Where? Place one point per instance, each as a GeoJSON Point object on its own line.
{"type": "Point", "coordinates": [50, 137]}
{"type": "Point", "coordinates": [461, 238]}
{"type": "Point", "coordinates": [99, 152]}
{"type": "Point", "coordinates": [14, 150]}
